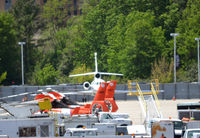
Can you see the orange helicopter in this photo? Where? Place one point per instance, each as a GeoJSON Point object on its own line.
{"type": "Point", "coordinates": [103, 101]}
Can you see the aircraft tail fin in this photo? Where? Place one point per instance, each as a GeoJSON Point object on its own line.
{"type": "Point", "coordinates": [100, 95]}
{"type": "Point", "coordinates": [109, 96]}
{"type": "Point", "coordinates": [110, 90]}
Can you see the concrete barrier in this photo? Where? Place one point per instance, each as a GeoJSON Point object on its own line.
{"type": "Point", "coordinates": [169, 91]}
{"type": "Point", "coordinates": [178, 90]}
{"type": "Point", "coordinates": [194, 91]}
{"type": "Point", "coordinates": [182, 91]}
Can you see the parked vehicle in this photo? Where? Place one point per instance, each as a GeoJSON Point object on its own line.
{"type": "Point", "coordinates": [119, 119]}
{"type": "Point", "coordinates": [78, 121]}
{"type": "Point", "coordinates": [196, 135]}
{"type": "Point", "coordinates": [122, 130]}
{"type": "Point", "coordinates": [105, 128]}
{"type": "Point", "coordinates": [177, 124]}
{"type": "Point", "coordinates": [162, 130]}
{"type": "Point", "coordinates": [192, 133]}
{"type": "Point", "coordinates": [30, 127]}
{"type": "Point", "coordinates": [90, 133]}
{"type": "Point", "coordinates": [81, 132]}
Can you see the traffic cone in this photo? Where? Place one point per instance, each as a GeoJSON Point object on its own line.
{"type": "Point", "coordinates": [174, 98]}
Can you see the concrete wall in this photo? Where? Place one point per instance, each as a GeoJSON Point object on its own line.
{"type": "Point", "coordinates": [178, 90]}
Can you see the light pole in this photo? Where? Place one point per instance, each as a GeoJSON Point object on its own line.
{"type": "Point", "coordinates": [22, 58]}
{"type": "Point", "coordinates": [197, 39]}
{"type": "Point", "coordinates": [174, 35]}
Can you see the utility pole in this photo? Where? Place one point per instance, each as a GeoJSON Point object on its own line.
{"type": "Point", "coordinates": [197, 39]}
{"type": "Point", "coordinates": [22, 60]}
{"type": "Point", "coordinates": [174, 35]}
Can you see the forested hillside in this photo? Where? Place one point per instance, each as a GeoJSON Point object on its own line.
{"type": "Point", "coordinates": [130, 36]}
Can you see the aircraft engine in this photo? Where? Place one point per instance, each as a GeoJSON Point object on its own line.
{"type": "Point", "coordinates": [98, 76]}
{"type": "Point", "coordinates": [86, 85]}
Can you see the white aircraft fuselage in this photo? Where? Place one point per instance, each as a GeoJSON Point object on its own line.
{"type": "Point", "coordinates": [94, 85]}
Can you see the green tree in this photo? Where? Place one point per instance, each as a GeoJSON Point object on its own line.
{"type": "Point", "coordinates": [97, 23]}
{"type": "Point", "coordinates": [56, 13]}
{"type": "Point", "coordinates": [188, 74]}
{"type": "Point", "coordinates": [59, 35]}
{"type": "Point", "coordinates": [162, 70]}
{"type": "Point", "coordinates": [3, 77]}
{"type": "Point", "coordinates": [135, 44]}
{"type": "Point", "coordinates": [9, 53]}
{"type": "Point", "coordinates": [122, 37]}
{"type": "Point", "coordinates": [46, 75]}
{"type": "Point", "coordinates": [60, 52]}
{"type": "Point", "coordinates": [116, 42]}
{"type": "Point", "coordinates": [170, 19]}
{"type": "Point", "coordinates": [93, 33]}
{"type": "Point", "coordinates": [81, 79]}
{"type": "Point", "coordinates": [188, 28]}
{"type": "Point", "coordinates": [26, 15]}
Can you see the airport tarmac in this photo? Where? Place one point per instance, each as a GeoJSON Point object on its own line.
{"type": "Point", "coordinates": [168, 109]}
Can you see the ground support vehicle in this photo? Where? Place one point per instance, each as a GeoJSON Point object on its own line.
{"type": "Point", "coordinates": [90, 133]}
{"type": "Point", "coordinates": [105, 128]}
{"type": "Point", "coordinates": [51, 127]}
{"type": "Point", "coordinates": [120, 119]}
{"type": "Point", "coordinates": [30, 127]}
{"type": "Point", "coordinates": [177, 123]}
{"type": "Point", "coordinates": [78, 121]}
{"type": "Point", "coordinates": [192, 133]}
{"type": "Point", "coordinates": [162, 130]}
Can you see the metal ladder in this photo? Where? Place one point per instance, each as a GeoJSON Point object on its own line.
{"type": "Point", "coordinates": [155, 92]}
{"type": "Point", "coordinates": [148, 100]}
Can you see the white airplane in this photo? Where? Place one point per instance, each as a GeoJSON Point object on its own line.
{"type": "Point", "coordinates": [94, 85]}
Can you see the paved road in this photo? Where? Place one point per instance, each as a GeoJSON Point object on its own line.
{"type": "Point", "coordinates": [168, 109]}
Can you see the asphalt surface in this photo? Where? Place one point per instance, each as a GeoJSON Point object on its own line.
{"type": "Point", "coordinates": [167, 107]}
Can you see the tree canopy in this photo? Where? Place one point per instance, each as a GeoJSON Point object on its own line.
{"type": "Point", "coordinates": [130, 36]}
{"type": "Point", "coordinates": [9, 53]}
